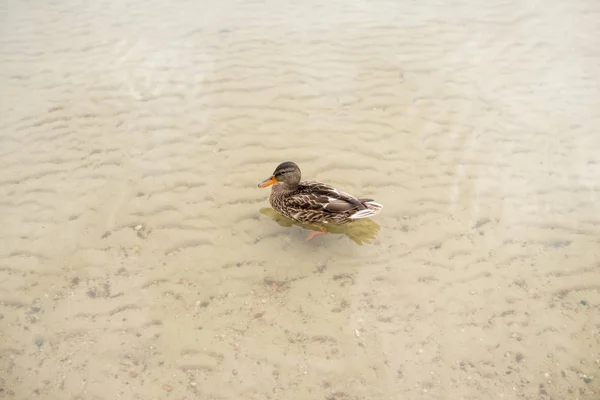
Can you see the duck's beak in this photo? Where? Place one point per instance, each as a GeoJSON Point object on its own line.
{"type": "Point", "coordinates": [268, 182]}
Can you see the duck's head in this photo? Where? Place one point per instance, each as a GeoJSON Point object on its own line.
{"type": "Point", "coordinates": [286, 173]}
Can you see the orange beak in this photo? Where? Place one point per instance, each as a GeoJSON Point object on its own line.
{"type": "Point", "coordinates": [268, 182]}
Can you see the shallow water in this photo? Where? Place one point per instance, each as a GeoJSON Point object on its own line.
{"type": "Point", "coordinates": [138, 259]}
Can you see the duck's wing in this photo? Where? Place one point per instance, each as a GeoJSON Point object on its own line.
{"type": "Point", "coordinates": [317, 196]}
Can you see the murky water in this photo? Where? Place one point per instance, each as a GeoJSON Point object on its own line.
{"type": "Point", "coordinates": [138, 259]}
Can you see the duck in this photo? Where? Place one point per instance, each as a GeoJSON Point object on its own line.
{"type": "Point", "coordinates": [312, 202]}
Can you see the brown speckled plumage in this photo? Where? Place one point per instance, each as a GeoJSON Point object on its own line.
{"type": "Point", "coordinates": [314, 202]}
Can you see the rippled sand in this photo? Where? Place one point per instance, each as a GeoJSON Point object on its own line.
{"type": "Point", "coordinates": [138, 259]}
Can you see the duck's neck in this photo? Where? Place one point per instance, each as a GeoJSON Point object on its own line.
{"type": "Point", "coordinates": [283, 188]}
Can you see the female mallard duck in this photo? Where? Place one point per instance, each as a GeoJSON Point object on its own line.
{"type": "Point", "coordinates": [314, 202]}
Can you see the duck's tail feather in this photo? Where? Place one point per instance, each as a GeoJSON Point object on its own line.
{"type": "Point", "coordinates": [373, 209]}
{"type": "Point", "coordinates": [373, 205]}
{"type": "Point", "coordinates": [363, 214]}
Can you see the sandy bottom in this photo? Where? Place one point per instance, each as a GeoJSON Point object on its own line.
{"type": "Point", "coordinates": [138, 259]}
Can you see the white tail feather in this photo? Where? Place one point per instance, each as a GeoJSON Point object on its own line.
{"type": "Point", "coordinates": [373, 210]}
{"type": "Point", "coordinates": [363, 214]}
{"type": "Point", "coordinates": [376, 206]}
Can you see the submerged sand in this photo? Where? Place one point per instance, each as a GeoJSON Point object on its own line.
{"type": "Point", "coordinates": [138, 260]}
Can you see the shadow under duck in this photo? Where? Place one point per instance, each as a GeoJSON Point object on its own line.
{"type": "Point", "coordinates": [312, 202]}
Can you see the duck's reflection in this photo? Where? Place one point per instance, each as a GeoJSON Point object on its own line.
{"type": "Point", "coordinates": [360, 232]}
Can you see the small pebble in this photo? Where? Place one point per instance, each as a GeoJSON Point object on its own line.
{"type": "Point", "coordinates": [138, 227]}
{"type": "Point", "coordinates": [357, 333]}
{"type": "Point", "coordinates": [234, 372]}
{"type": "Point", "coordinates": [193, 384]}
{"type": "Point", "coordinates": [167, 388]}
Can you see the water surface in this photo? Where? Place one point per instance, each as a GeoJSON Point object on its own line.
{"type": "Point", "coordinates": [138, 259]}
